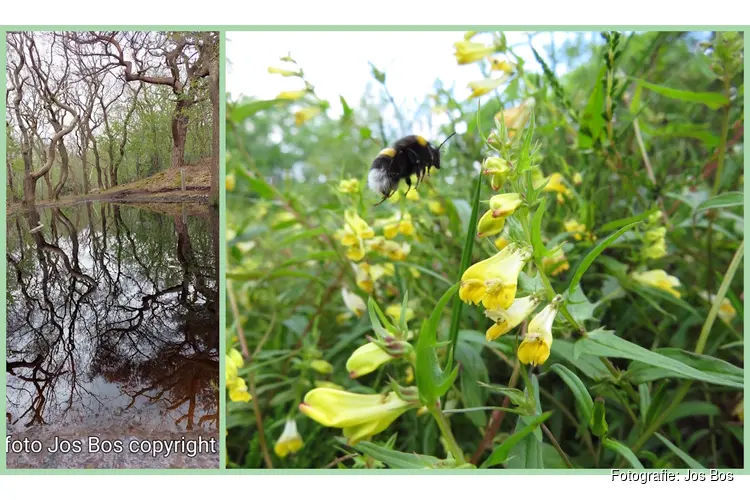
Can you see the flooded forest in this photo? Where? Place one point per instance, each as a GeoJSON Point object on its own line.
{"type": "Point", "coordinates": [112, 246]}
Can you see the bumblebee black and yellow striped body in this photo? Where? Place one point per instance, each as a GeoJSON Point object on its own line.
{"type": "Point", "coordinates": [408, 156]}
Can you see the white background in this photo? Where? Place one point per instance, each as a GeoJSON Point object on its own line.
{"type": "Point", "coordinates": [286, 12]}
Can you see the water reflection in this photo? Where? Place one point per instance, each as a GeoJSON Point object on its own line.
{"type": "Point", "coordinates": [112, 321]}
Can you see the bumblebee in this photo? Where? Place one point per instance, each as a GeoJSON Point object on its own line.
{"type": "Point", "coordinates": [408, 156]}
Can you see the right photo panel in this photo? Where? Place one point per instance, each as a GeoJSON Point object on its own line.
{"type": "Point", "coordinates": [484, 250]}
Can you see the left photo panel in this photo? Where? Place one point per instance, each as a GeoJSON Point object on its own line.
{"type": "Point", "coordinates": [113, 238]}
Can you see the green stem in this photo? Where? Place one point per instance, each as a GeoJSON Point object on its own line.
{"type": "Point", "coordinates": [445, 430]}
{"type": "Point", "coordinates": [465, 261]}
{"type": "Point", "coordinates": [723, 143]}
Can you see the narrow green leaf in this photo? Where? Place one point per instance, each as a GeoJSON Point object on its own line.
{"type": "Point", "coordinates": [624, 451]}
{"type": "Point", "coordinates": [689, 461]}
{"type": "Point", "coordinates": [581, 394]}
{"type": "Point", "coordinates": [396, 459]}
{"type": "Point", "coordinates": [598, 422]}
{"type": "Point", "coordinates": [536, 230]}
{"type": "Point", "coordinates": [724, 200]}
{"type": "Point", "coordinates": [500, 454]}
{"type": "Point", "coordinates": [594, 253]}
{"type": "Point", "coordinates": [713, 100]}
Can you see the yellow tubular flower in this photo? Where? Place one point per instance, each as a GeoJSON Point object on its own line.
{"type": "Point", "coordinates": [230, 181]}
{"type": "Point", "coordinates": [507, 319]}
{"type": "Point", "coordinates": [515, 118]}
{"type": "Point", "coordinates": [305, 114]}
{"type": "Point", "coordinates": [489, 225]}
{"type": "Point", "coordinates": [494, 281]}
{"type": "Point", "coordinates": [657, 250]}
{"type": "Point", "coordinates": [394, 311]}
{"type": "Point", "coordinates": [576, 228]}
{"type": "Point", "coordinates": [366, 359]}
{"type": "Point", "coordinates": [658, 278]}
{"type": "Point", "coordinates": [377, 271]}
{"type": "Point", "coordinates": [349, 186]}
{"type": "Point", "coordinates": [292, 95]}
{"type": "Point", "coordinates": [361, 416]}
{"type": "Point", "coordinates": [355, 228]}
{"type": "Point", "coordinates": [482, 87]}
{"type": "Point", "coordinates": [498, 169]}
{"type": "Point", "coordinates": [290, 440]}
{"type": "Point", "coordinates": [413, 195]}
{"type": "Point", "coordinates": [282, 72]}
{"type": "Point", "coordinates": [321, 366]}
{"type": "Point", "coordinates": [436, 207]}
{"type": "Point", "coordinates": [353, 302]}
{"type": "Point", "coordinates": [502, 242]}
{"type": "Point", "coordinates": [536, 344]}
{"type": "Point", "coordinates": [556, 185]}
{"type": "Point", "coordinates": [469, 52]}
{"type": "Point", "coordinates": [362, 275]}
{"type": "Point", "coordinates": [238, 391]}
{"type": "Point", "coordinates": [726, 311]}
{"type": "Point", "coordinates": [555, 263]}
{"type": "Point", "coordinates": [503, 205]}
{"type": "Point", "coordinates": [405, 226]}
{"type": "Point", "coordinates": [501, 65]}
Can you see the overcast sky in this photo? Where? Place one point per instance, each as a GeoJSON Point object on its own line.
{"type": "Point", "coordinates": [336, 63]}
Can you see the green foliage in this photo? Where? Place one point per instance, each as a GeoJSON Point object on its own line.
{"type": "Point", "coordinates": [634, 132]}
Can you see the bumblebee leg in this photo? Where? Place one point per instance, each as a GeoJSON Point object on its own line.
{"type": "Point", "coordinates": [408, 184]}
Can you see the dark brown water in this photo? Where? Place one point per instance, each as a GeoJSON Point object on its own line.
{"type": "Point", "coordinates": [112, 337]}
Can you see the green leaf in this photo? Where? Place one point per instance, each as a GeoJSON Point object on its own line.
{"type": "Point", "coordinates": [536, 230]}
{"type": "Point", "coordinates": [432, 381]}
{"type": "Point", "coordinates": [724, 200]}
{"type": "Point", "coordinates": [639, 372]}
{"type": "Point", "coordinates": [239, 112]}
{"type": "Point", "coordinates": [592, 118]}
{"type": "Point", "coordinates": [605, 343]}
{"type": "Point", "coordinates": [347, 110]}
{"type": "Point", "coordinates": [713, 100]}
{"type": "Point", "coordinates": [624, 451]}
{"type": "Point", "coordinates": [259, 186]}
{"type": "Point", "coordinates": [581, 394]}
{"type": "Point", "coordinates": [689, 461]}
{"type": "Point", "coordinates": [500, 454]}
{"type": "Point", "coordinates": [591, 366]}
{"type": "Point", "coordinates": [472, 375]}
{"type": "Point", "coordinates": [397, 459]}
{"type": "Point", "coordinates": [598, 421]}
{"type": "Point", "coordinates": [594, 253]}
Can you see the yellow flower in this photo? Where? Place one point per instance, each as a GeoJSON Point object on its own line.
{"type": "Point", "coordinates": [361, 416]}
{"type": "Point", "coordinates": [726, 311]}
{"type": "Point", "coordinates": [363, 278]}
{"type": "Point", "coordinates": [342, 318]}
{"type": "Point", "coordinates": [494, 281]}
{"type": "Point", "coordinates": [292, 95]}
{"type": "Point", "coordinates": [658, 278]}
{"type": "Point", "coordinates": [436, 207]}
{"type": "Point", "coordinates": [576, 228]}
{"type": "Point", "coordinates": [282, 72]}
{"type": "Point", "coordinates": [398, 223]}
{"type": "Point", "coordinates": [321, 366]}
{"type": "Point", "coordinates": [405, 226]}
{"type": "Point", "coordinates": [409, 378]}
{"type": "Point", "coordinates": [234, 362]}
{"type": "Point", "coordinates": [230, 181]}
{"type": "Point", "coordinates": [395, 197]}
{"type": "Point", "coordinates": [501, 242]}
{"type": "Point", "coordinates": [501, 65]}
{"type": "Point", "coordinates": [394, 311]}
{"type": "Point", "coordinates": [501, 207]}
{"type": "Point", "coordinates": [390, 249]}
{"type": "Point", "coordinates": [498, 169]}
{"type": "Point", "coordinates": [377, 271]}
{"type": "Point", "coordinates": [655, 234]}
{"type": "Point", "coordinates": [353, 234]}
{"type": "Point", "coordinates": [468, 52]}
{"type": "Point", "coordinates": [349, 186]}
{"type": "Point", "coordinates": [412, 195]}
{"type": "Point", "coordinates": [290, 440]}
{"type": "Point", "coordinates": [536, 344]}
{"type": "Point", "coordinates": [507, 319]}
{"type": "Point", "coordinates": [515, 118]}
{"type": "Point", "coordinates": [305, 114]}
{"type": "Point", "coordinates": [555, 263]}
{"type": "Point", "coordinates": [353, 302]}
{"type": "Point", "coordinates": [577, 179]}
{"type": "Point", "coordinates": [366, 359]}
{"type": "Point", "coordinates": [238, 391]}
{"type": "Point", "coordinates": [489, 225]}
{"type": "Point", "coordinates": [482, 87]}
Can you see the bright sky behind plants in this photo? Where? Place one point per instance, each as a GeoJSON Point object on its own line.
{"type": "Point", "coordinates": [337, 63]}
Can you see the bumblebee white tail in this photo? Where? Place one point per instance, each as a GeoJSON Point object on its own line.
{"type": "Point", "coordinates": [379, 182]}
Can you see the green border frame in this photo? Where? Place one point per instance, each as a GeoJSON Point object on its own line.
{"type": "Point", "coordinates": [223, 29]}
